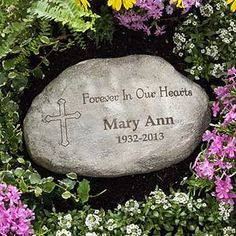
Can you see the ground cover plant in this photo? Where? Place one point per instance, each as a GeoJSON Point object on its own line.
{"type": "Point", "coordinates": [31, 31]}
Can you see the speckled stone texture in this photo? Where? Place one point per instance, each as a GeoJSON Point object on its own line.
{"type": "Point", "coordinates": [115, 117]}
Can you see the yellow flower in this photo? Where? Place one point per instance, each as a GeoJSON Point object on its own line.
{"type": "Point", "coordinates": [233, 6]}
{"type": "Point", "coordinates": [84, 3]}
{"type": "Point", "coordinates": [179, 3]}
{"type": "Point", "coordinates": [116, 4]}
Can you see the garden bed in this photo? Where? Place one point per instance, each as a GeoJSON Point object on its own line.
{"type": "Point", "coordinates": [196, 200]}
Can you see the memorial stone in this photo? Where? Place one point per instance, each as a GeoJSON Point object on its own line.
{"type": "Point", "coordinates": [115, 117]}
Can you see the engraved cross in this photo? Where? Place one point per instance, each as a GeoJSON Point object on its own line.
{"type": "Point", "coordinates": [63, 117]}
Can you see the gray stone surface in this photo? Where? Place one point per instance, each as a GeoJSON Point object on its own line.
{"type": "Point", "coordinates": [114, 117]}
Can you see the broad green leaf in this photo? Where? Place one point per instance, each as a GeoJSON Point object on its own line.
{"type": "Point", "coordinates": [66, 195]}
{"type": "Point", "coordinates": [72, 175]}
{"type": "Point", "coordinates": [38, 191]}
{"type": "Point", "coordinates": [35, 178]}
{"type": "Point", "coordinates": [83, 190]}
{"type": "Point", "coordinates": [48, 187]}
{"type": "Point", "coordinates": [8, 65]}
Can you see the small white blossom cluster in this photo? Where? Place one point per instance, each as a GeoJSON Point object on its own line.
{"type": "Point", "coordinates": [211, 51]}
{"type": "Point", "coordinates": [192, 20]}
{"type": "Point", "coordinates": [181, 198]}
{"type": "Point", "coordinates": [218, 70]}
{"type": "Point", "coordinates": [93, 221]}
{"type": "Point", "coordinates": [133, 230]}
{"type": "Point", "coordinates": [204, 48]}
{"type": "Point", "coordinates": [228, 231]}
{"type": "Point", "coordinates": [65, 221]}
{"type": "Point", "coordinates": [63, 232]}
{"type": "Point", "coordinates": [111, 225]}
{"type": "Point", "coordinates": [225, 210]}
{"type": "Point", "coordinates": [193, 205]}
{"type": "Point", "coordinates": [206, 10]}
{"type": "Point", "coordinates": [159, 198]}
{"type": "Point", "coordinates": [91, 234]}
{"type": "Point", "coordinates": [225, 35]}
{"type": "Point", "coordinates": [132, 207]}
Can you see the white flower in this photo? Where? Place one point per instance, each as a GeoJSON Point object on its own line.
{"type": "Point", "coordinates": [132, 206]}
{"type": "Point", "coordinates": [92, 220]}
{"type": "Point", "coordinates": [68, 217]}
{"type": "Point", "coordinates": [181, 198]}
{"type": "Point", "coordinates": [206, 10]}
{"type": "Point", "coordinates": [63, 232]}
{"type": "Point", "coordinates": [169, 10]}
{"type": "Point", "coordinates": [65, 222]}
{"type": "Point", "coordinates": [111, 225]}
{"type": "Point", "coordinates": [90, 234]}
{"type": "Point", "coordinates": [159, 196]}
{"type": "Point", "coordinates": [133, 230]}
{"type": "Point", "coordinates": [225, 210]}
{"type": "Point", "coordinates": [228, 231]}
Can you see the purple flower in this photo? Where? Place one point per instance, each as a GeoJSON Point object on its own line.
{"type": "Point", "coordinates": [138, 18]}
{"type": "Point", "coordinates": [221, 92]}
{"type": "Point", "coordinates": [216, 147]}
{"type": "Point", "coordinates": [223, 164]}
{"type": "Point", "coordinates": [15, 218]}
{"type": "Point", "coordinates": [208, 136]}
{"type": "Point", "coordinates": [230, 116]}
{"type": "Point", "coordinates": [223, 188]}
{"type": "Point", "coordinates": [215, 108]}
{"type": "Point", "coordinates": [230, 149]}
{"type": "Point", "coordinates": [205, 169]}
{"type": "Point", "coordinates": [232, 74]}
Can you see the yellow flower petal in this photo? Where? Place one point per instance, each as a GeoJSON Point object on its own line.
{"type": "Point", "coordinates": [110, 3]}
{"type": "Point", "coordinates": [179, 3]}
{"type": "Point", "coordinates": [233, 7]}
{"type": "Point", "coordinates": [229, 1]}
{"type": "Point", "coordinates": [117, 4]}
{"type": "Point", "coordinates": [128, 4]}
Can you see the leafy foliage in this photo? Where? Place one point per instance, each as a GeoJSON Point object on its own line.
{"type": "Point", "coordinates": [66, 12]}
{"type": "Point", "coordinates": [104, 27]}
{"type": "Point", "coordinates": [25, 35]}
{"type": "Point", "coordinates": [206, 41]}
{"type": "Point", "coordinates": [177, 214]}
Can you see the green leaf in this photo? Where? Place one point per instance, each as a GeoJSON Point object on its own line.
{"type": "Point", "coordinates": [68, 183]}
{"type": "Point", "coordinates": [45, 61]}
{"type": "Point", "coordinates": [35, 178]}
{"type": "Point", "coordinates": [72, 175]}
{"type": "Point", "coordinates": [23, 186]}
{"type": "Point", "coordinates": [66, 195]}
{"type": "Point", "coordinates": [18, 172]}
{"type": "Point", "coordinates": [45, 39]}
{"type": "Point", "coordinates": [8, 65]}
{"type": "Point", "coordinates": [3, 79]}
{"type": "Point", "coordinates": [38, 73]}
{"type": "Point", "coordinates": [21, 160]}
{"type": "Point", "coordinates": [38, 191]}
{"type": "Point", "coordinates": [48, 187]}
{"type": "Point", "coordinates": [12, 75]}
{"type": "Point", "coordinates": [83, 190]}
{"type": "Point", "coordinates": [188, 59]}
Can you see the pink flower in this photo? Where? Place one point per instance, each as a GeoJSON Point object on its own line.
{"type": "Point", "coordinates": [223, 164]}
{"type": "Point", "coordinates": [230, 116]}
{"type": "Point", "coordinates": [230, 149]}
{"type": "Point", "coordinates": [215, 108]}
{"type": "Point", "coordinates": [231, 74]}
{"type": "Point", "coordinates": [15, 218]}
{"type": "Point", "coordinates": [223, 188]}
{"type": "Point", "coordinates": [221, 92]}
{"type": "Point", "coordinates": [205, 169]}
{"type": "Point", "coordinates": [216, 147]}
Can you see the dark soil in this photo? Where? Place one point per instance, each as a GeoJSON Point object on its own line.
{"type": "Point", "coordinates": [124, 43]}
